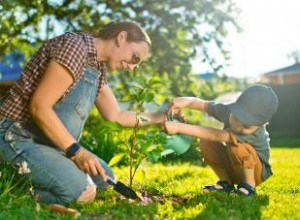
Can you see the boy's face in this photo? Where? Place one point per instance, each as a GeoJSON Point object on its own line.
{"type": "Point", "coordinates": [237, 127]}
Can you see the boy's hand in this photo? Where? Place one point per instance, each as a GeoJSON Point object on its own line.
{"type": "Point", "coordinates": [179, 103]}
{"type": "Point", "coordinates": [171, 127]}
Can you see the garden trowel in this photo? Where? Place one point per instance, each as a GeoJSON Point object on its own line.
{"type": "Point", "coordinates": [122, 189]}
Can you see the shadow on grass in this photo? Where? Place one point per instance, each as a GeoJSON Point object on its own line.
{"type": "Point", "coordinates": [125, 211]}
{"type": "Point", "coordinates": [114, 208]}
{"type": "Point", "coordinates": [223, 206]}
{"type": "Point", "coordinates": [205, 206]}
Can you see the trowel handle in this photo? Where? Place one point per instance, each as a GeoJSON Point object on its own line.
{"type": "Point", "coordinates": [110, 181]}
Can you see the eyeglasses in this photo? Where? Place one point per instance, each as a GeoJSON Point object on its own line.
{"type": "Point", "coordinates": [135, 59]}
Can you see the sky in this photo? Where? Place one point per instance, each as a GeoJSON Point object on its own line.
{"type": "Point", "coordinates": [271, 30]}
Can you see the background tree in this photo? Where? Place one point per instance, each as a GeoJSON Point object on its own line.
{"type": "Point", "coordinates": [179, 30]}
{"type": "Point", "coordinates": [295, 56]}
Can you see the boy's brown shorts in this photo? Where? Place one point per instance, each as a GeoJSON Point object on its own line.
{"type": "Point", "coordinates": [234, 157]}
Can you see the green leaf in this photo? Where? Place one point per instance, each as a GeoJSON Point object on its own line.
{"type": "Point", "coordinates": [151, 148]}
{"type": "Point", "coordinates": [154, 156]}
{"type": "Point", "coordinates": [112, 126]}
{"type": "Point", "coordinates": [148, 97]}
{"type": "Point", "coordinates": [136, 85]}
{"type": "Point", "coordinates": [116, 159]}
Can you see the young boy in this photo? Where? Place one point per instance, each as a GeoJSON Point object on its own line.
{"type": "Point", "coordinates": [238, 154]}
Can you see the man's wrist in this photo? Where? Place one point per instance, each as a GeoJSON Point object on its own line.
{"type": "Point", "coordinates": [164, 116]}
{"type": "Point", "coordinates": [72, 150]}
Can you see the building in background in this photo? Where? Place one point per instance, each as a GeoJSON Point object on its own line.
{"type": "Point", "coordinates": [207, 76]}
{"type": "Point", "coordinates": [286, 84]}
{"type": "Point", "coordinates": [284, 76]}
{"type": "Point", "coordinates": [10, 71]}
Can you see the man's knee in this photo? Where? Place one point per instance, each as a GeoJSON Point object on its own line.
{"type": "Point", "coordinates": [88, 195]}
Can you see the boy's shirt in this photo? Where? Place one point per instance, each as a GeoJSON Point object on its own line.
{"type": "Point", "coordinates": [258, 139]}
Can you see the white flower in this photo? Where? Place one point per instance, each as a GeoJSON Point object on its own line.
{"type": "Point", "coordinates": [31, 189]}
{"type": "Point", "coordinates": [23, 168]}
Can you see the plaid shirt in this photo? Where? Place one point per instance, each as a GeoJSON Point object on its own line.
{"type": "Point", "coordinates": [71, 50]}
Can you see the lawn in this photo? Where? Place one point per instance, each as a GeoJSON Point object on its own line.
{"type": "Point", "coordinates": [176, 189]}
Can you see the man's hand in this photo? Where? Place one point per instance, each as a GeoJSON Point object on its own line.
{"type": "Point", "coordinates": [171, 127]}
{"type": "Point", "coordinates": [176, 105]}
{"type": "Point", "coordinates": [89, 163]}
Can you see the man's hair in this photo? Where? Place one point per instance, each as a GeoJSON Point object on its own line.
{"type": "Point", "coordinates": [134, 32]}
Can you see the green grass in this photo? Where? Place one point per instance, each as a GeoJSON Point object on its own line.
{"type": "Point", "coordinates": [278, 198]}
{"type": "Point", "coordinates": [285, 142]}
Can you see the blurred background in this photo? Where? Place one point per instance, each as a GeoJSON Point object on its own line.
{"type": "Point", "coordinates": [209, 49]}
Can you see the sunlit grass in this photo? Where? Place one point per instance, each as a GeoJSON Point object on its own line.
{"type": "Point", "coordinates": [278, 198]}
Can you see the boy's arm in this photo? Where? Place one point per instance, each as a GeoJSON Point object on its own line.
{"type": "Point", "coordinates": [201, 132]}
{"type": "Point", "coordinates": [188, 102]}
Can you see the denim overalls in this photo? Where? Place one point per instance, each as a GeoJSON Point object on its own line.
{"type": "Point", "coordinates": [56, 179]}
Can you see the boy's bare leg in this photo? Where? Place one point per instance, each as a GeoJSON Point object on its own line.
{"type": "Point", "coordinates": [249, 177]}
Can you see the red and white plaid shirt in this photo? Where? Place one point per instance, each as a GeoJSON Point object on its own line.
{"type": "Point", "coordinates": [70, 50]}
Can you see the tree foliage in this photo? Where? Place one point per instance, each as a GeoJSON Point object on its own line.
{"type": "Point", "coordinates": [178, 28]}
